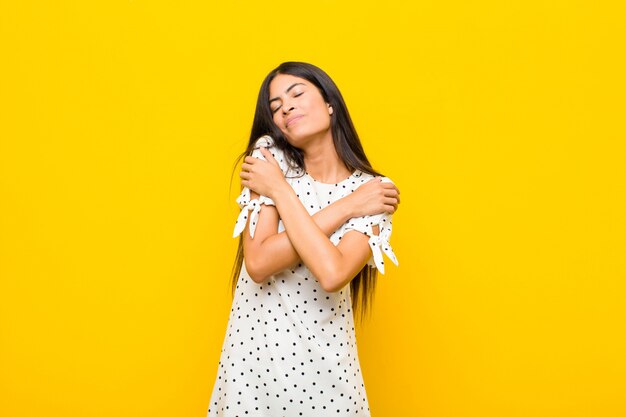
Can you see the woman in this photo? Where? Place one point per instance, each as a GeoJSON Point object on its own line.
{"type": "Point", "coordinates": [316, 219]}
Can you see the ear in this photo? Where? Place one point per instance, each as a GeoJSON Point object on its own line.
{"type": "Point", "coordinates": [330, 108]}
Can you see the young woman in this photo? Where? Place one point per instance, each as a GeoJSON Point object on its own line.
{"type": "Point", "coordinates": [316, 219]}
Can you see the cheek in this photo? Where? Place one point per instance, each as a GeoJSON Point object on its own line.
{"type": "Point", "coordinates": [323, 118]}
{"type": "Point", "coordinates": [277, 121]}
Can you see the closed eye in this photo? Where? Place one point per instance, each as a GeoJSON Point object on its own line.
{"type": "Point", "coordinates": [278, 108]}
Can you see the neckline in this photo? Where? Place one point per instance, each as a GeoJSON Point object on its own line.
{"type": "Point", "coordinates": [353, 174]}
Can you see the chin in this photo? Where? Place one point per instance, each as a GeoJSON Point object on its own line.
{"type": "Point", "coordinates": [294, 139]}
{"type": "Point", "coordinates": [299, 138]}
{"type": "Point", "coordinates": [294, 142]}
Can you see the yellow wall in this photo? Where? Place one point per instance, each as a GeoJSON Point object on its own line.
{"type": "Point", "coordinates": [501, 122]}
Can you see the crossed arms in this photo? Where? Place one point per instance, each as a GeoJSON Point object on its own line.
{"type": "Point", "coordinates": [306, 237]}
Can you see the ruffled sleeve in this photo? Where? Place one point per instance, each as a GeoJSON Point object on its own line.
{"type": "Point", "coordinates": [253, 207]}
{"type": "Point", "coordinates": [379, 244]}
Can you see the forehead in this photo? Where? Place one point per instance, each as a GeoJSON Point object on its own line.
{"type": "Point", "coordinates": [282, 82]}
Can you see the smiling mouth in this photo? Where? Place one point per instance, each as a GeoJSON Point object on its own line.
{"type": "Point", "coordinates": [292, 121]}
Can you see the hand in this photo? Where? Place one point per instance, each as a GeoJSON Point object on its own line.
{"type": "Point", "coordinates": [374, 197]}
{"type": "Point", "coordinates": [262, 177]}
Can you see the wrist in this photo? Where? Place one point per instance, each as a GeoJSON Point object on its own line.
{"type": "Point", "coordinates": [347, 209]}
{"type": "Point", "coordinates": [281, 191]}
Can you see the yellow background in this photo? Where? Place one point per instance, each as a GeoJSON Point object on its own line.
{"type": "Point", "coordinates": [501, 122]}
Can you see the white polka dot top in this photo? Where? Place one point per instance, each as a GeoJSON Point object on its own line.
{"type": "Point", "coordinates": [290, 347]}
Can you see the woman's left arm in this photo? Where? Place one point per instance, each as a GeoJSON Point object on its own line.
{"type": "Point", "coordinates": [333, 266]}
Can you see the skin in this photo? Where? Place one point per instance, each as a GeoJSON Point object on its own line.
{"type": "Point", "coordinates": [300, 112]}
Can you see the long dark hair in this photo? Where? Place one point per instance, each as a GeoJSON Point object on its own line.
{"type": "Point", "coordinates": [347, 145]}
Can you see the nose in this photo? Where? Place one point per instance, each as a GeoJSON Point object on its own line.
{"type": "Point", "coordinates": [287, 108]}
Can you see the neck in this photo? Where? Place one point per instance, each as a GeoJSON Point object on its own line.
{"type": "Point", "coordinates": [322, 162]}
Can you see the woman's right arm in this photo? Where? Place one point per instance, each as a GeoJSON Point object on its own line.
{"type": "Point", "coordinates": [269, 252]}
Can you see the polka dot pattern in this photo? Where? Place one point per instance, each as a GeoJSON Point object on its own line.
{"type": "Point", "coordinates": [290, 347]}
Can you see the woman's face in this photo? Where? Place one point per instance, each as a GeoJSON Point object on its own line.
{"type": "Point", "coordinates": [298, 109]}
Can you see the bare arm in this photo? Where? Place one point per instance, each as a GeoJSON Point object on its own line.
{"type": "Point", "coordinates": [270, 252]}
{"type": "Point", "coordinates": [333, 266]}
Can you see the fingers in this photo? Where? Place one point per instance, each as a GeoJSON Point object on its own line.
{"type": "Point", "coordinates": [390, 205]}
{"type": "Point", "coordinates": [390, 209]}
{"type": "Point", "coordinates": [389, 185]}
{"type": "Point", "coordinates": [392, 193]}
{"type": "Point", "coordinates": [268, 155]}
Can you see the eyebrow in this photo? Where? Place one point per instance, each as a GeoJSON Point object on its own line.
{"type": "Point", "coordinates": [286, 91]}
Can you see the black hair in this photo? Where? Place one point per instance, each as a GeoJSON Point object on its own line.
{"type": "Point", "coordinates": [347, 145]}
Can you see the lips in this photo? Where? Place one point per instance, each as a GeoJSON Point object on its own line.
{"type": "Point", "coordinates": [293, 119]}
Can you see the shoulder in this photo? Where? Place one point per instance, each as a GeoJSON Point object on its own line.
{"type": "Point", "coordinates": [362, 177]}
{"type": "Point", "coordinates": [267, 142]}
